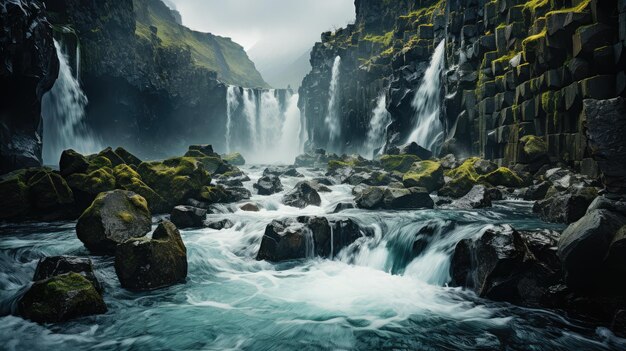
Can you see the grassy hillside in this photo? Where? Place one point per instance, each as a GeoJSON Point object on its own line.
{"type": "Point", "coordinates": [213, 52]}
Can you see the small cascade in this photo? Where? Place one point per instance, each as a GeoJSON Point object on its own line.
{"type": "Point", "coordinates": [232, 104]}
{"type": "Point", "coordinates": [332, 118]}
{"type": "Point", "coordinates": [270, 120]}
{"type": "Point", "coordinates": [63, 111]}
{"type": "Point", "coordinates": [250, 112]}
{"type": "Point", "coordinates": [428, 131]}
{"type": "Point", "coordinates": [378, 126]}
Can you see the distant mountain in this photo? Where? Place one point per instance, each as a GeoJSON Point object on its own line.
{"type": "Point", "coordinates": [291, 74]}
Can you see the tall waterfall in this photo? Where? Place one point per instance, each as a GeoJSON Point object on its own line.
{"type": "Point", "coordinates": [264, 125]}
{"type": "Point", "coordinates": [428, 131]}
{"type": "Point", "coordinates": [378, 125]}
{"type": "Point", "coordinates": [332, 117]}
{"type": "Point", "coordinates": [63, 110]}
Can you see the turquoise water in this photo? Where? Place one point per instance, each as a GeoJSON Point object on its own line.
{"type": "Point", "coordinates": [373, 295]}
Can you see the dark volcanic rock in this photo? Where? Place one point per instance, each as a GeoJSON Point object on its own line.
{"type": "Point", "coordinates": [567, 206]}
{"type": "Point", "coordinates": [219, 225]}
{"type": "Point", "coordinates": [188, 217]}
{"type": "Point", "coordinates": [302, 195]}
{"type": "Point", "coordinates": [478, 197]}
{"type": "Point", "coordinates": [61, 298]}
{"type": "Point", "coordinates": [29, 66]}
{"type": "Point", "coordinates": [268, 185]}
{"type": "Point", "coordinates": [394, 198]}
{"type": "Point", "coordinates": [49, 267]}
{"type": "Point", "coordinates": [113, 218]}
{"type": "Point", "coordinates": [152, 263]}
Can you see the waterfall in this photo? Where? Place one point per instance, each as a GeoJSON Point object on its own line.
{"type": "Point", "coordinates": [332, 117]}
{"type": "Point", "coordinates": [378, 125]}
{"type": "Point", "coordinates": [231, 106]}
{"type": "Point", "coordinates": [264, 125]}
{"type": "Point", "coordinates": [428, 131]}
{"type": "Point", "coordinates": [63, 111]}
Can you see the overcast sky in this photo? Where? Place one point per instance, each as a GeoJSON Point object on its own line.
{"type": "Point", "coordinates": [283, 29]}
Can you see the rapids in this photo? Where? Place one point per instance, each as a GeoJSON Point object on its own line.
{"type": "Point", "coordinates": [374, 295]}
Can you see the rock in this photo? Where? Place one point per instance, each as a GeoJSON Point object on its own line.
{"type": "Point", "coordinates": [583, 248]}
{"type": "Point", "coordinates": [250, 207]}
{"type": "Point", "coordinates": [279, 171]}
{"type": "Point", "coordinates": [268, 185]}
{"type": "Point", "coordinates": [398, 163]}
{"type": "Point", "coordinates": [567, 206]}
{"type": "Point", "coordinates": [411, 198]}
{"type": "Point", "coordinates": [499, 266]}
{"type": "Point", "coordinates": [478, 197]}
{"type": "Point", "coordinates": [234, 159]}
{"type": "Point", "coordinates": [86, 186]}
{"type": "Point", "coordinates": [302, 195]}
{"type": "Point", "coordinates": [127, 157]}
{"type": "Point", "coordinates": [61, 298]}
{"type": "Point", "coordinates": [449, 162]}
{"type": "Point", "coordinates": [306, 237]}
{"type": "Point", "coordinates": [113, 218]}
{"type": "Point", "coordinates": [416, 150]}
{"type": "Point", "coordinates": [461, 180]}
{"type": "Point", "coordinates": [606, 127]}
{"type": "Point", "coordinates": [219, 225]}
{"type": "Point", "coordinates": [534, 150]}
{"type": "Point", "coordinates": [51, 266]}
{"type": "Point", "coordinates": [187, 217]}
{"type": "Point", "coordinates": [370, 197]}
{"type": "Point", "coordinates": [484, 166]}
{"type": "Point", "coordinates": [72, 162]}
{"type": "Point", "coordinates": [127, 178]}
{"type": "Point", "coordinates": [533, 192]}
{"type": "Point", "coordinates": [343, 206]}
{"type": "Point", "coordinates": [111, 156]}
{"type": "Point", "coordinates": [502, 177]}
{"type": "Point", "coordinates": [606, 203]}
{"type": "Point", "coordinates": [152, 263]}
{"type": "Point", "coordinates": [425, 174]}
{"type": "Point", "coordinates": [292, 172]}
{"type": "Point", "coordinates": [543, 245]}
{"type": "Point", "coordinates": [206, 150]}
{"type": "Point", "coordinates": [219, 194]}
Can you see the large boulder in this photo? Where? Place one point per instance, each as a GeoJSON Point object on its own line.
{"type": "Point", "coordinates": [606, 127]}
{"type": "Point", "coordinates": [302, 195]}
{"type": "Point", "coordinates": [478, 197]}
{"type": "Point", "coordinates": [152, 263]}
{"type": "Point", "coordinates": [234, 159]}
{"type": "Point", "coordinates": [61, 298]}
{"type": "Point", "coordinates": [584, 246]}
{"type": "Point", "coordinates": [113, 218]}
{"type": "Point", "coordinates": [268, 185]}
{"type": "Point", "coordinates": [398, 163]}
{"type": "Point", "coordinates": [306, 237]}
{"type": "Point", "coordinates": [188, 217]}
{"type": "Point", "coordinates": [498, 265]}
{"type": "Point", "coordinates": [566, 206]}
{"type": "Point", "coordinates": [376, 197]}
{"type": "Point", "coordinates": [413, 148]}
{"type": "Point", "coordinates": [49, 267]}
{"type": "Point", "coordinates": [72, 162]}
{"type": "Point", "coordinates": [126, 178]}
{"type": "Point", "coordinates": [461, 180]}
{"type": "Point", "coordinates": [425, 174]}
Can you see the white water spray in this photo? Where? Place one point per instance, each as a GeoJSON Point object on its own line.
{"type": "Point", "coordinates": [428, 131]}
{"type": "Point", "coordinates": [332, 118]}
{"type": "Point", "coordinates": [378, 125]}
{"type": "Point", "coordinates": [63, 110]}
{"type": "Point", "coordinates": [231, 107]}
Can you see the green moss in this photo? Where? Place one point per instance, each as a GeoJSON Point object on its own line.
{"type": "Point", "coordinates": [385, 39]}
{"type": "Point", "coordinates": [426, 174]}
{"type": "Point", "coordinates": [234, 158]}
{"type": "Point", "coordinates": [502, 177]}
{"type": "Point", "coordinates": [398, 163]}
{"type": "Point", "coordinates": [94, 182]}
{"type": "Point", "coordinates": [534, 147]}
{"type": "Point", "coordinates": [139, 202]}
{"type": "Point", "coordinates": [99, 162]}
{"type": "Point", "coordinates": [125, 216]}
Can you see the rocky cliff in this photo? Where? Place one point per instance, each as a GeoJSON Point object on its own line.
{"type": "Point", "coordinates": [28, 68]}
{"type": "Point", "coordinates": [515, 71]}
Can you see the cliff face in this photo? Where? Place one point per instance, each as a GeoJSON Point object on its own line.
{"type": "Point", "coordinates": [28, 69]}
{"type": "Point", "coordinates": [151, 84]}
{"type": "Point", "coordinates": [513, 69]}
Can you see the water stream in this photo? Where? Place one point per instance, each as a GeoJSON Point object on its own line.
{"type": "Point", "coordinates": [332, 120]}
{"type": "Point", "coordinates": [375, 142]}
{"type": "Point", "coordinates": [375, 294]}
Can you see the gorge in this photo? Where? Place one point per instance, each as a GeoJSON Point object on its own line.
{"type": "Point", "coordinates": [449, 175]}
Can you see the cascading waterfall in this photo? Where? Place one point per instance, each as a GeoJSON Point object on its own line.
{"type": "Point", "coordinates": [231, 106]}
{"type": "Point", "coordinates": [269, 120]}
{"type": "Point", "coordinates": [250, 111]}
{"type": "Point", "coordinates": [428, 131]}
{"type": "Point", "coordinates": [332, 117]}
{"type": "Point", "coordinates": [63, 110]}
{"type": "Point", "coordinates": [378, 125]}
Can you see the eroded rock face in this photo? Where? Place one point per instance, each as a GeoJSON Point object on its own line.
{"type": "Point", "coordinates": [28, 70]}
{"type": "Point", "coordinates": [113, 218]}
{"type": "Point", "coordinates": [152, 263]}
{"type": "Point", "coordinates": [306, 237]}
{"type": "Point", "coordinates": [61, 298]}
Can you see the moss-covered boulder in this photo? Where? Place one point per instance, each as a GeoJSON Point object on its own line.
{"type": "Point", "coordinates": [51, 266]}
{"type": "Point", "coordinates": [533, 148]}
{"type": "Point", "coordinates": [425, 174]}
{"type": "Point", "coordinates": [113, 218]}
{"type": "Point", "coordinates": [152, 263]}
{"type": "Point", "coordinates": [206, 150]}
{"type": "Point", "coordinates": [14, 200]}
{"type": "Point", "coordinates": [234, 159]}
{"type": "Point", "coordinates": [398, 163]}
{"type": "Point", "coordinates": [72, 162]}
{"type": "Point", "coordinates": [86, 186]}
{"type": "Point", "coordinates": [477, 171]}
{"type": "Point", "coordinates": [127, 178]}
{"type": "Point", "coordinates": [127, 157]}
{"type": "Point", "coordinates": [215, 165]}
{"type": "Point", "coordinates": [175, 180]}
{"type": "Point", "coordinates": [97, 162]}
{"type": "Point", "coordinates": [61, 298]}
{"type": "Point", "coordinates": [502, 177]}
{"type": "Point", "coordinates": [110, 155]}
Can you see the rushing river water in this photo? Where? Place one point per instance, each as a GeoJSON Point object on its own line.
{"type": "Point", "coordinates": [373, 295]}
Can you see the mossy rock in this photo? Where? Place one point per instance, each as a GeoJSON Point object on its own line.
{"type": "Point", "coordinates": [113, 218]}
{"type": "Point", "coordinates": [127, 157]}
{"type": "Point", "coordinates": [194, 153]}
{"type": "Point", "coordinates": [72, 162]}
{"type": "Point", "coordinates": [234, 159]}
{"type": "Point", "coordinates": [175, 180]}
{"type": "Point", "coordinates": [93, 183]}
{"type": "Point", "coordinates": [458, 187]}
{"type": "Point", "coordinates": [49, 192]}
{"type": "Point", "coordinates": [152, 263]}
{"type": "Point", "coordinates": [213, 194]}
{"type": "Point", "coordinates": [14, 189]}
{"type": "Point", "coordinates": [115, 159]}
{"type": "Point", "coordinates": [399, 163]}
{"type": "Point", "coordinates": [534, 148]}
{"type": "Point", "coordinates": [127, 178]}
{"type": "Point", "coordinates": [99, 162]}
{"type": "Point", "coordinates": [206, 150]}
{"type": "Point", "coordinates": [61, 298]}
{"type": "Point", "coordinates": [215, 165]}
{"type": "Point", "coordinates": [502, 177]}
{"type": "Point", "coordinates": [425, 174]}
